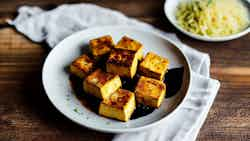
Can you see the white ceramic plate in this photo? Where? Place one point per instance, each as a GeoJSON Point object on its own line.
{"type": "Point", "coordinates": [170, 8]}
{"type": "Point", "coordinates": [57, 85]}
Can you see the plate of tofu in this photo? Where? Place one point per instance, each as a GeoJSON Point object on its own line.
{"type": "Point", "coordinates": [117, 78]}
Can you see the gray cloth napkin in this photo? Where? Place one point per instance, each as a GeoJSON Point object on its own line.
{"type": "Point", "coordinates": [54, 25]}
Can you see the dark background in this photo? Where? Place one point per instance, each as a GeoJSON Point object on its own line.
{"type": "Point", "coordinates": [26, 113]}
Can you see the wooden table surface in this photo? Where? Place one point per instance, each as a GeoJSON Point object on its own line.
{"type": "Point", "coordinates": [26, 113]}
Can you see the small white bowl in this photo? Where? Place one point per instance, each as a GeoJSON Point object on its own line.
{"type": "Point", "coordinates": [170, 8]}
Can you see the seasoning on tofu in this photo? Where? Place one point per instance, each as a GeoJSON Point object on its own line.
{"type": "Point", "coordinates": [154, 66]}
{"type": "Point", "coordinates": [127, 43]}
{"type": "Point", "coordinates": [150, 92]}
{"type": "Point", "coordinates": [122, 62]}
{"type": "Point", "coordinates": [101, 84]}
{"type": "Point", "coordinates": [82, 66]}
{"type": "Point", "coordinates": [101, 46]}
{"type": "Point", "coordinates": [120, 105]}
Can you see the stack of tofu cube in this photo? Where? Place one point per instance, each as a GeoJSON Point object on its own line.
{"type": "Point", "coordinates": [124, 59]}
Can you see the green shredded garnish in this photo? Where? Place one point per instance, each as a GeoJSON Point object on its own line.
{"type": "Point", "coordinates": [76, 110]}
{"type": "Point", "coordinates": [209, 2]}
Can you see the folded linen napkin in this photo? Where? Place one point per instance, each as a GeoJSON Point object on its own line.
{"type": "Point", "coordinates": [54, 25]}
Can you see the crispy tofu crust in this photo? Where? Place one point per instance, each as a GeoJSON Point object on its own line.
{"type": "Point", "coordinates": [121, 57]}
{"type": "Point", "coordinates": [122, 62]}
{"type": "Point", "coordinates": [127, 43]}
{"type": "Point", "coordinates": [101, 46]}
{"type": "Point", "coordinates": [154, 66]}
{"type": "Point", "coordinates": [120, 105]}
{"type": "Point", "coordinates": [99, 78]}
{"type": "Point", "coordinates": [101, 84]}
{"type": "Point", "coordinates": [150, 91]}
{"type": "Point", "coordinates": [119, 98]}
{"type": "Point", "coordinates": [82, 66]}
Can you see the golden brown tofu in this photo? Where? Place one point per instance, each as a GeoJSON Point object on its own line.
{"type": "Point", "coordinates": [82, 66]}
{"type": "Point", "coordinates": [127, 43]}
{"type": "Point", "coordinates": [122, 62]}
{"type": "Point", "coordinates": [120, 105]}
{"type": "Point", "coordinates": [150, 92]}
{"type": "Point", "coordinates": [154, 66]}
{"type": "Point", "coordinates": [101, 84]}
{"type": "Point", "coordinates": [101, 46]}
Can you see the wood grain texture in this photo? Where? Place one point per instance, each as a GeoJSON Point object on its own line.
{"type": "Point", "coordinates": [27, 115]}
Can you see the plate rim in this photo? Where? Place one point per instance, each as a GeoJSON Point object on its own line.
{"type": "Point", "coordinates": [110, 130]}
{"type": "Point", "coordinates": [204, 38]}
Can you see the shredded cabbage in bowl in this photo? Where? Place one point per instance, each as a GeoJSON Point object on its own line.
{"type": "Point", "coordinates": [212, 18]}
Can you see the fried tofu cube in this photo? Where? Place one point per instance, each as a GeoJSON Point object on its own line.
{"type": "Point", "coordinates": [82, 66]}
{"type": "Point", "coordinates": [101, 84]}
{"type": "Point", "coordinates": [127, 43]}
{"type": "Point", "coordinates": [122, 62]}
{"type": "Point", "coordinates": [154, 66]}
{"type": "Point", "coordinates": [120, 105]}
{"type": "Point", "coordinates": [150, 92]}
{"type": "Point", "coordinates": [101, 46]}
